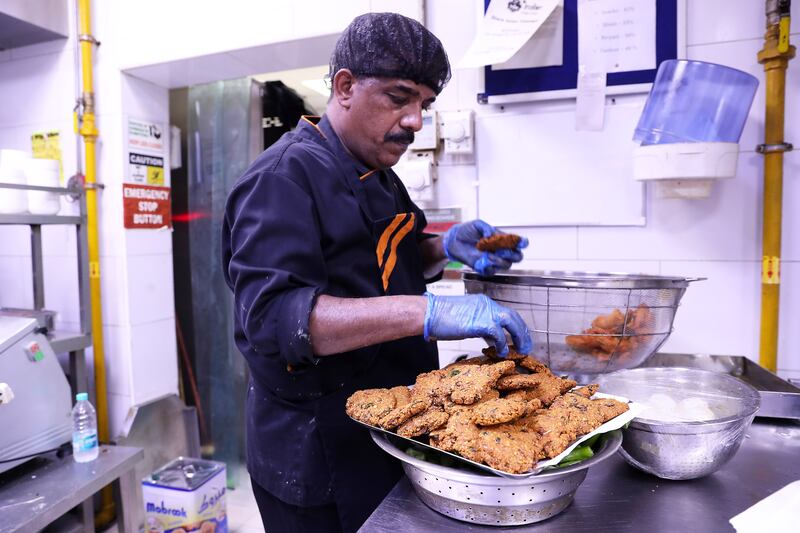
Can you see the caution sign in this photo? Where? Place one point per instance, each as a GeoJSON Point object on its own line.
{"type": "Point", "coordinates": [146, 206]}
{"type": "Point", "coordinates": [146, 169]}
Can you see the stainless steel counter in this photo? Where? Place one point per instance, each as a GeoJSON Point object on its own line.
{"type": "Point", "coordinates": [35, 494]}
{"type": "Point", "coordinates": [615, 497]}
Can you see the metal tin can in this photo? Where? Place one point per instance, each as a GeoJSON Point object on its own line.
{"type": "Point", "coordinates": [184, 496]}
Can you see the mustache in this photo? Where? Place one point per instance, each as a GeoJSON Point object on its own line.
{"type": "Point", "coordinates": [403, 137]}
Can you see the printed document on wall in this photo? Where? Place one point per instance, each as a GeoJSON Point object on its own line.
{"type": "Point", "coordinates": [544, 49]}
{"type": "Point", "coordinates": [617, 35]}
{"type": "Point", "coordinates": [504, 29]}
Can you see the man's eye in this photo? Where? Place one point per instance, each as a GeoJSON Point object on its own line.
{"type": "Point", "coordinates": [397, 100]}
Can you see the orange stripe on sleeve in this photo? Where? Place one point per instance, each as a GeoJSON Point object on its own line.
{"type": "Point", "coordinates": [389, 268]}
{"type": "Point", "coordinates": [381, 249]}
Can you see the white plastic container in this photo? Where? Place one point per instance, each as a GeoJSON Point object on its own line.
{"type": "Point", "coordinates": [186, 494]}
{"type": "Point", "coordinates": [84, 430]}
{"type": "Point", "coordinates": [42, 173]}
{"type": "Point", "coordinates": [13, 201]}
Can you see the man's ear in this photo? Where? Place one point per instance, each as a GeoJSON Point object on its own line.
{"type": "Point", "coordinates": [343, 82]}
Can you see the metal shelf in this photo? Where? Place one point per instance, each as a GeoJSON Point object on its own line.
{"type": "Point", "coordinates": [65, 341]}
{"type": "Point", "coordinates": [28, 219]}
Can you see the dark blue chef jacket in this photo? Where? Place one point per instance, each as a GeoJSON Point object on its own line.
{"type": "Point", "coordinates": [308, 219]}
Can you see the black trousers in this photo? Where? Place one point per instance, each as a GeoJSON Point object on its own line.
{"type": "Point", "coordinates": [281, 517]}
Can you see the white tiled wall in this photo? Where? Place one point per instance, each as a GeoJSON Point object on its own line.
{"type": "Point", "coordinates": [37, 88]}
{"type": "Point", "coordinates": [718, 238]}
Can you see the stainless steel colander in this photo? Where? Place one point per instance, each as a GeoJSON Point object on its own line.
{"type": "Point", "coordinates": [484, 498]}
{"type": "Point", "coordinates": [563, 310]}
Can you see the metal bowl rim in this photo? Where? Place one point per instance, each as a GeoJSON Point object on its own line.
{"type": "Point", "coordinates": [579, 279]}
{"type": "Point", "coordinates": [656, 426]}
{"type": "Point", "coordinates": [612, 443]}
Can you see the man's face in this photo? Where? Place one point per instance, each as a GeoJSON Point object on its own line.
{"type": "Point", "coordinates": [383, 116]}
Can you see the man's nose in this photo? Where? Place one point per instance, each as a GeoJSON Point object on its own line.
{"type": "Point", "coordinates": [412, 120]}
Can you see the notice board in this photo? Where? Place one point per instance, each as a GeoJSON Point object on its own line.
{"type": "Point", "coordinates": [560, 81]}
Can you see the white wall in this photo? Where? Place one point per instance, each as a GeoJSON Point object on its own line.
{"type": "Point", "coordinates": [37, 90]}
{"type": "Point", "coordinates": [718, 238]}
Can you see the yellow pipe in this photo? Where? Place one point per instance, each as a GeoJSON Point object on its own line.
{"type": "Point", "coordinates": [88, 131]}
{"type": "Point", "coordinates": [775, 57]}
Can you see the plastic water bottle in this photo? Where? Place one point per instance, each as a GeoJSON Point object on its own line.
{"type": "Point", "coordinates": [84, 430]}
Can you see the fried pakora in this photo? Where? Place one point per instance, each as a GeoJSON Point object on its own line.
{"type": "Point", "coordinates": [397, 416]}
{"type": "Point", "coordinates": [513, 354]}
{"type": "Point", "coordinates": [371, 405]}
{"type": "Point", "coordinates": [499, 411]}
{"type": "Point", "coordinates": [423, 423]}
{"type": "Point", "coordinates": [507, 414]}
{"type": "Point", "coordinates": [614, 333]}
{"type": "Point", "coordinates": [569, 417]}
{"type": "Point", "coordinates": [498, 241]}
{"type": "Point", "coordinates": [469, 383]}
{"type": "Point", "coordinates": [545, 387]}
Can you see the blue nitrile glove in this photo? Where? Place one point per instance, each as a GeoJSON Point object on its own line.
{"type": "Point", "coordinates": [475, 315]}
{"type": "Point", "coordinates": [459, 245]}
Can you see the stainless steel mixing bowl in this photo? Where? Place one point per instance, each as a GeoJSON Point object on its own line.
{"type": "Point", "coordinates": [684, 450]}
{"type": "Point", "coordinates": [490, 499]}
{"type": "Point", "coordinates": [561, 306]}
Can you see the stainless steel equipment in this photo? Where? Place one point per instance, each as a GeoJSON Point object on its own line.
{"type": "Point", "coordinates": [616, 499]}
{"type": "Point", "coordinates": [492, 500]}
{"type": "Point", "coordinates": [561, 309]}
{"type": "Point", "coordinates": [35, 398]}
{"type": "Point", "coordinates": [684, 450]}
{"type": "Point", "coordinates": [779, 398]}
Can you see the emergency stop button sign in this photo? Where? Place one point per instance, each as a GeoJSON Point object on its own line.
{"type": "Point", "coordinates": [146, 206]}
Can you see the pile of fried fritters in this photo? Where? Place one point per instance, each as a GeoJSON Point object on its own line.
{"type": "Point", "coordinates": [505, 413]}
{"type": "Point", "coordinates": [614, 332]}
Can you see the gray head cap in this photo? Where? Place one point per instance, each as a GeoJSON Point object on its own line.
{"type": "Point", "coordinates": [388, 45]}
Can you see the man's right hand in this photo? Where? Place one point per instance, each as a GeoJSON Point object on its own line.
{"type": "Point", "coordinates": [475, 315]}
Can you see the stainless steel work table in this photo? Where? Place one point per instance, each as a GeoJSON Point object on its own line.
{"type": "Point", "coordinates": [35, 494]}
{"type": "Point", "coordinates": [615, 497]}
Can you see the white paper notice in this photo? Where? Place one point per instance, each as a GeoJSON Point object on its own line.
{"type": "Point", "coordinates": [617, 35]}
{"type": "Point", "coordinates": [545, 48]}
{"type": "Point", "coordinates": [504, 29]}
{"type": "Point", "coordinates": [590, 102]}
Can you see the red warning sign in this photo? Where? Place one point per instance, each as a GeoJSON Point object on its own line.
{"type": "Point", "coordinates": [146, 206]}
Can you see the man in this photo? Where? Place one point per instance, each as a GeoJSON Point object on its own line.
{"type": "Point", "coordinates": [328, 263]}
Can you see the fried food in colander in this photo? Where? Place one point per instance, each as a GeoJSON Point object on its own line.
{"type": "Point", "coordinates": [614, 333]}
{"type": "Point", "coordinates": [507, 414]}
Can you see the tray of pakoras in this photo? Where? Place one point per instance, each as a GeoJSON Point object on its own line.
{"type": "Point", "coordinates": [512, 417]}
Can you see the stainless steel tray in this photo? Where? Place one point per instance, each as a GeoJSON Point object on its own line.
{"type": "Point", "coordinates": [434, 451]}
{"type": "Point", "coordinates": [395, 438]}
{"type": "Point", "coordinates": [779, 398]}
